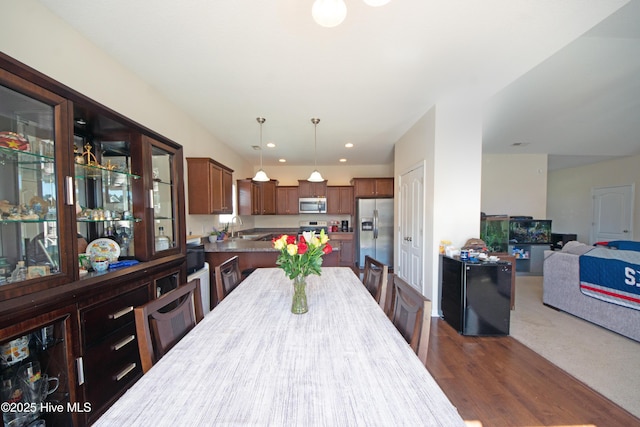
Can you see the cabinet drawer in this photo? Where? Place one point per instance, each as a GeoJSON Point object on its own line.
{"type": "Point", "coordinates": [104, 381]}
{"type": "Point", "coordinates": [116, 348]}
{"type": "Point", "coordinates": [101, 320]}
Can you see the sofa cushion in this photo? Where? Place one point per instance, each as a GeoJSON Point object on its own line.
{"type": "Point", "coordinates": [576, 248]}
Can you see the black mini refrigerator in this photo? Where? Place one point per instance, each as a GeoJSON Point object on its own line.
{"type": "Point", "coordinates": [476, 296]}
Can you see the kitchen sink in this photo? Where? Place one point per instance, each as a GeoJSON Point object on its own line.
{"type": "Point", "coordinates": [250, 236]}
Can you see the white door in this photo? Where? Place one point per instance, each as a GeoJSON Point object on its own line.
{"type": "Point", "coordinates": [411, 234]}
{"type": "Point", "coordinates": [612, 213]}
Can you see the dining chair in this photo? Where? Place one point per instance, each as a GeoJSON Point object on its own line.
{"type": "Point", "coordinates": [375, 277]}
{"type": "Point", "coordinates": [164, 321]}
{"type": "Point", "coordinates": [411, 315]}
{"type": "Point", "coordinates": [228, 277]}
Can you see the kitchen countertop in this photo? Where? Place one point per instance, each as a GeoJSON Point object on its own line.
{"type": "Point", "coordinates": [238, 244]}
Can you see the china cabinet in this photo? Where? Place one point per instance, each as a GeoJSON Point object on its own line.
{"type": "Point", "coordinates": [79, 181]}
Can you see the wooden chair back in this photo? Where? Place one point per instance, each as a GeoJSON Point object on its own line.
{"type": "Point", "coordinates": [375, 277]}
{"type": "Point", "coordinates": [411, 315]}
{"type": "Point", "coordinates": [228, 277]}
{"type": "Point", "coordinates": [162, 322]}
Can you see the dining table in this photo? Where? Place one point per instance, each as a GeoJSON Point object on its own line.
{"type": "Point", "coordinates": [252, 362]}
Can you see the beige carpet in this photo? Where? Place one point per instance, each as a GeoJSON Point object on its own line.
{"type": "Point", "coordinates": [607, 362]}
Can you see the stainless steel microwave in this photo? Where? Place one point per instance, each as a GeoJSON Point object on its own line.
{"type": "Point", "coordinates": [312, 205]}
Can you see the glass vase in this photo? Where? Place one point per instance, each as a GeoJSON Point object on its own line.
{"type": "Point", "coordinates": [299, 304]}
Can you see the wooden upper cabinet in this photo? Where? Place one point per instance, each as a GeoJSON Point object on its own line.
{"type": "Point", "coordinates": [312, 189]}
{"type": "Point", "coordinates": [268, 196]}
{"type": "Point", "coordinates": [372, 187]}
{"type": "Point", "coordinates": [287, 200]}
{"type": "Point", "coordinates": [340, 199]}
{"type": "Point", "coordinates": [209, 187]}
{"type": "Point", "coordinates": [256, 198]}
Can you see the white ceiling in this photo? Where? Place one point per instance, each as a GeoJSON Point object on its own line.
{"type": "Point", "coordinates": [369, 79]}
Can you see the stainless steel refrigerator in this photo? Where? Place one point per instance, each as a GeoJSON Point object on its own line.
{"type": "Point", "coordinates": [374, 232]}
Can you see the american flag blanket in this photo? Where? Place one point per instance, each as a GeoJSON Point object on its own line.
{"type": "Point", "coordinates": [611, 275]}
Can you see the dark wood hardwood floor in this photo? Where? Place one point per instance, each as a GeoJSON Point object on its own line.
{"type": "Point", "coordinates": [497, 381]}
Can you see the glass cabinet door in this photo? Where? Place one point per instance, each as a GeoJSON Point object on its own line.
{"type": "Point", "coordinates": [29, 228]}
{"type": "Point", "coordinates": [164, 214]}
{"type": "Point", "coordinates": [104, 208]}
{"type": "Point", "coordinates": [34, 366]}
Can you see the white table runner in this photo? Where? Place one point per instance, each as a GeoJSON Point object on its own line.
{"type": "Point", "coordinates": [252, 362]}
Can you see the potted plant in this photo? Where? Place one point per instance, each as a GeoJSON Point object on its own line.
{"type": "Point", "coordinates": [218, 235]}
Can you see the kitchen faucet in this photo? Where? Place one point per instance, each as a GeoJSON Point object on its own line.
{"type": "Point", "coordinates": [235, 219]}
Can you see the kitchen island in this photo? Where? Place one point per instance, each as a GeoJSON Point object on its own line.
{"type": "Point", "coordinates": [252, 254]}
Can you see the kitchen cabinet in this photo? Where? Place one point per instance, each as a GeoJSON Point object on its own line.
{"type": "Point", "coordinates": [340, 200]}
{"type": "Point", "coordinates": [372, 187]}
{"type": "Point", "coordinates": [287, 200]}
{"type": "Point", "coordinates": [347, 258]}
{"type": "Point", "coordinates": [312, 189]}
{"type": "Point", "coordinates": [256, 198]}
{"type": "Point", "coordinates": [209, 186]}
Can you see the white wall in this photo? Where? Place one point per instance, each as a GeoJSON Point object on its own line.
{"type": "Point", "coordinates": [514, 184]}
{"type": "Point", "coordinates": [33, 35]}
{"type": "Point", "coordinates": [569, 196]}
{"type": "Point", "coordinates": [448, 138]}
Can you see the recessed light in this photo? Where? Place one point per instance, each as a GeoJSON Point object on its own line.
{"type": "Point", "coordinates": [270, 144]}
{"type": "Point", "coordinates": [343, 160]}
{"type": "Point", "coordinates": [349, 145]}
{"type": "Point", "coordinates": [282, 160]}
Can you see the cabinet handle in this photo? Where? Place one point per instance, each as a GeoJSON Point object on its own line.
{"type": "Point", "coordinates": [80, 368]}
{"type": "Point", "coordinates": [68, 190]}
{"type": "Point", "coordinates": [125, 371]}
{"type": "Point", "coordinates": [123, 342]}
{"type": "Point", "coordinates": [118, 314]}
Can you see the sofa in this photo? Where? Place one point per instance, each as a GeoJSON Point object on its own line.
{"type": "Point", "coordinates": [561, 290]}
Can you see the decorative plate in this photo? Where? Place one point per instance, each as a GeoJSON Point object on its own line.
{"type": "Point", "coordinates": [104, 247]}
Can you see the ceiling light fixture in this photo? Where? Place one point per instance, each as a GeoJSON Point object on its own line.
{"type": "Point", "coordinates": [261, 175]}
{"type": "Point", "coordinates": [315, 175]}
{"type": "Point", "coordinates": [376, 3]}
{"type": "Point", "coordinates": [331, 13]}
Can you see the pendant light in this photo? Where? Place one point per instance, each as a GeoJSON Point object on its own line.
{"type": "Point", "coordinates": [315, 175]}
{"type": "Point", "coordinates": [261, 175]}
{"type": "Point", "coordinates": [329, 13]}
